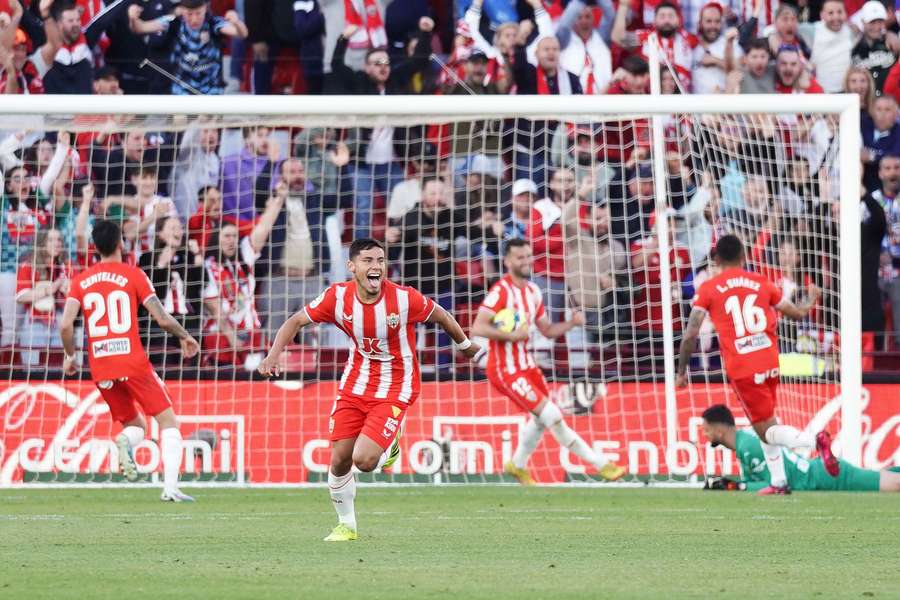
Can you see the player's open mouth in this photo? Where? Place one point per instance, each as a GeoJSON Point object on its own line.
{"type": "Point", "coordinates": [374, 278]}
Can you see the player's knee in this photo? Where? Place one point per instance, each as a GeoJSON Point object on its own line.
{"type": "Point", "coordinates": [365, 463]}
{"type": "Point", "coordinates": [550, 415]}
{"type": "Point", "coordinates": [341, 465]}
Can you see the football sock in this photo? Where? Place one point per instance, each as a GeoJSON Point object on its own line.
{"type": "Point", "coordinates": [571, 440]}
{"type": "Point", "coordinates": [134, 434]}
{"type": "Point", "coordinates": [528, 441]}
{"type": "Point", "coordinates": [789, 437]}
{"type": "Point", "coordinates": [382, 459]}
{"type": "Point", "coordinates": [343, 491]}
{"type": "Point", "coordinates": [172, 454]}
{"type": "Point", "coordinates": [775, 462]}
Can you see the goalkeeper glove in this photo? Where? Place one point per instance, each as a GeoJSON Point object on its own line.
{"type": "Point", "coordinates": [724, 484]}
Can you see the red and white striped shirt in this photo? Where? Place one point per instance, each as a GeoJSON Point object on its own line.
{"type": "Point", "coordinates": [383, 364]}
{"type": "Point", "coordinates": [511, 357]}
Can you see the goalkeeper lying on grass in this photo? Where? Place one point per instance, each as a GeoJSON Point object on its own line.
{"type": "Point", "coordinates": [802, 474]}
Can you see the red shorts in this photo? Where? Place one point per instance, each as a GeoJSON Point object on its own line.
{"type": "Point", "coordinates": [148, 390]}
{"type": "Point", "coordinates": [378, 420]}
{"type": "Point", "coordinates": [757, 398]}
{"type": "Point", "coordinates": [526, 388]}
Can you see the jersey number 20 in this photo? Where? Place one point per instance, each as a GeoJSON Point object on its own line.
{"type": "Point", "coordinates": [117, 305]}
{"type": "Point", "coordinates": [748, 318]}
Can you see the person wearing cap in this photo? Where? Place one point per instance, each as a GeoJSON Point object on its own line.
{"type": "Point", "coordinates": [19, 75]}
{"type": "Point", "coordinates": [677, 44]}
{"type": "Point", "coordinates": [716, 53]}
{"type": "Point", "coordinates": [878, 48]}
{"type": "Point", "coordinates": [475, 80]}
{"type": "Point", "coordinates": [524, 192]}
{"type": "Point", "coordinates": [631, 203]}
{"type": "Point", "coordinates": [832, 39]}
{"type": "Point", "coordinates": [545, 232]}
{"type": "Point", "coordinates": [193, 40]}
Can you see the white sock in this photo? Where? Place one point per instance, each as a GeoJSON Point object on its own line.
{"type": "Point", "coordinates": [382, 459]}
{"type": "Point", "coordinates": [172, 453]}
{"type": "Point", "coordinates": [528, 441]}
{"type": "Point", "coordinates": [134, 434]}
{"type": "Point", "coordinates": [775, 462]}
{"type": "Point", "coordinates": [789, 437]}
{"type": "Point", "coordinates": [343, 491]}
{"type": "Point", "coordinates": [571, 440]}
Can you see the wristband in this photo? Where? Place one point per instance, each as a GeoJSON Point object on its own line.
{"type": "Point", "coordinates": [464, 345]}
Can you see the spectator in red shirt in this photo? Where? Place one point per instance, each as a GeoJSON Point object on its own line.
{"type": "Point", "coordinates": [42, 283]}
{"type": "Point", "coordinates": [208, 218]}
{"type": "Point", "coordinates": [791, 76]}
{"type": "Point", "coordinates": [676, 43]}
{"type": "Point", "coordinates": [647, 279]}
{"type": "Point", "coordinates": [546, 235]}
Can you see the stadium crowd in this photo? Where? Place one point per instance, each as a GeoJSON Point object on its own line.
{"type": "Point", "coordinates": [238, 227]}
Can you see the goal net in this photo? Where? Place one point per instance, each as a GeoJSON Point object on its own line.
{"type": "Point", "coordinates": [242, 211]}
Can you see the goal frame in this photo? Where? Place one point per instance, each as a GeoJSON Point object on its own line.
{"type": "Point", "coordinates": [339, 111]}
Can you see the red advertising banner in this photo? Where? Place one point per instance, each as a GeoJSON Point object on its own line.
{"type": "Point", "coordinates": [276, 432]}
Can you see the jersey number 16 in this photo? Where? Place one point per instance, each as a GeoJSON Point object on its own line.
{"type": "Point", "coordinates": [748, 318]}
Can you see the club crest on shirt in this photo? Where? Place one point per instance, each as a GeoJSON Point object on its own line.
{"type": "Point", "coordinates": [393, 320]}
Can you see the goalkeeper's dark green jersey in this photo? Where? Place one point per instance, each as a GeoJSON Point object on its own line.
{"type": "Point", "coordinates": [802, 474]}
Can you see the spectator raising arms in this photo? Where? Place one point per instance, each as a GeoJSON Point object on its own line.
{"type": "Point", "coordinates": [42, 285]}
{"type": "Point", "coordinates": [233, 333]}
{"type": "Point", "coordinates": [193, 40]}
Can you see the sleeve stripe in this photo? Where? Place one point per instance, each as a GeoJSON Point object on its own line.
{"type": "Point", "coordinates": [150, 295]}
{"type": "Point", "coordinates": [433, 308]}
{"type": "Point", "coordinates": [309, 316]}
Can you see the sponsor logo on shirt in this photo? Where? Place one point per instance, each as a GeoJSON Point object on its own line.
{"type": "Point", "coordinates": [112, 347]}
{"type": "Point", "coordinates": [752, 343]}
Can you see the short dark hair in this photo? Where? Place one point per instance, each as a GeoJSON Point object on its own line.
{"type": "Point", "coordinates": [191, 4]}
{"type": "Point", "coordinates": [666, 4]}
{"type": "Point", "coordinates": [729, 249]}
{"type": "Point", "coordinates": [758, 44]}
{"type": "Point", "coordinates": [372, 51]}
{"type": "Point", "coordinates": [106, 72]}
{"type": "Point", "coordinates": [514, 243]}
{"type": "Point", "coordinates": [107, 235]}
{"type": "Point", "coordinates": [635, 65]}
{"type": "Point", "coordinates": [364, 244]}
{"type": "Point", "coordinates": [61, 6]}
{"type": "Point", "coordinates": [719, 413]}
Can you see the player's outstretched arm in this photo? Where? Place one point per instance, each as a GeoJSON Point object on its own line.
{"type": "Point", "coordinates": [688, 344]}
{"type": "Point", "coordinates": [286, 333]}
{"type": "Point", "coordinates": [67, 333]}
{"type": "Point", "coordinates": [482, 327]}
{"type": "Point", "coordinates": [441, 317]}
{"type": "Point", "coordinates": [189, 346]}
{"type": "Point", "coordinates": [799, 311]}
{"type": "Point", "coordinates": [554, 330]}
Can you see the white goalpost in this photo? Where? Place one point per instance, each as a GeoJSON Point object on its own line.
{"type": "Point", "coordinates": [643, 184]}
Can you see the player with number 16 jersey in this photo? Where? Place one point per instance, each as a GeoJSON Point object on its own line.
{"type": "Point", "coordinates": [742, 306]}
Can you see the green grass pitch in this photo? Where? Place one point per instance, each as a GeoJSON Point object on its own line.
{"type": "Point", "coordinates": [492, 542]}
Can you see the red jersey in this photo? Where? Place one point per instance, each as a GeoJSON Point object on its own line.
{"type": "Point", "coordinates": [383, 364]}
{"type": "Point", "coordinates": [511, 357]}
{"type": "Point", "coordinates": [27, 279]}
{"type": "Point", "coordinates": [741, 306]}
{"type": "Point", "coordinates": [109, 294]}
{"type": "Point", "coordinates": [546, 235]}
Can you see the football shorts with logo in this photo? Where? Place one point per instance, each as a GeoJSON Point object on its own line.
{"type": "Point", "coordinates": [757, 394]}
{"type": "Point", "coordinates": [379, 420]}
{"type": "Point", "coordinates": [527, 388]}
{"type": "Point", "coordinates": [146, 390]}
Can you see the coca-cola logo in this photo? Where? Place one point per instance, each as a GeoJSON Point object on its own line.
{"type": "Point", "coordinates": [23, 403]}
